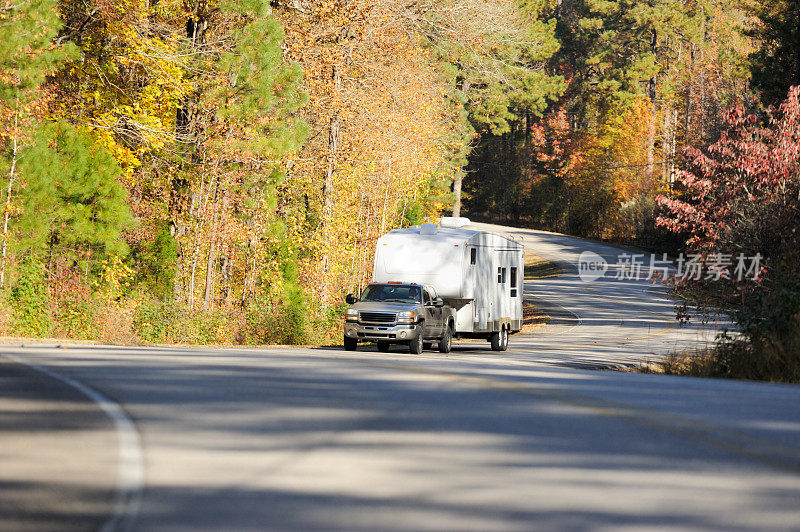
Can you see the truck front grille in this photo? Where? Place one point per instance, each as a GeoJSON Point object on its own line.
{"type": "Point", "coordinates": [378, 317]}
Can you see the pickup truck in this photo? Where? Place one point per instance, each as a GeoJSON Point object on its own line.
{"type": "Point", "coordinates": [399, 313]}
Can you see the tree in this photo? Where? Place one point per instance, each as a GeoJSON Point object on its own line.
{"type": "Point", "coordinates": [492, 56]}
{"type": "Point", "coordinates": [742, 195]}
{"type": "Point", "coordinates": [73, 206]}
{"type": "Point", "coordinates": [379, 130]}
{"type": "Point", "coordinates": [27, 55]}
{"type": "Point", "coordinates": [740, 199]}
{"type": "Point", "coordinates": [776, 64]}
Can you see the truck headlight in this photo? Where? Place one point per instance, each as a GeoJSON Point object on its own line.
{"type": "Point", "coordinates": [406, 316]}
{"type": "Point", "coordinates": [352, 314]}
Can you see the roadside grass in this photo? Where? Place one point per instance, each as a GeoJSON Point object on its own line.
{"type": "Point", "coordinates": [700, 363]}
{"type": "Point", "coordinates": [537, 267]}
{"type": "Point", "coordinates": [532, 318]}
{"type": "Point", "coordinates": [733, 358]}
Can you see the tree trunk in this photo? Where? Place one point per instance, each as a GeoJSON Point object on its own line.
{"type": "Point", "coordinates": [225, 275]}
{"type": "Point", "coordinates": [198, 237]}
{"type": "Point", "coordinates": [386, 194]}
{"type": "Point", "coordinates": [651, 138]}
{"type": "Point", "coordinates": [210, 265]}
{"type": "Point", "coordinates": [9, 189]}
{"type": "Point", "coordinates": [327, 186]}
{"type": "Point", "coordinates": [213, 251]}
{"type": "Point", "coordinates": [457, 182]}
{"type": "Point", "coordinates": [333, 149]}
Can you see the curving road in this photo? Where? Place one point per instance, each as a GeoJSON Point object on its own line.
{"type": "Point", "coordinates": [321, 439]}
{"type": "Point", "coordinates": [607, 323]}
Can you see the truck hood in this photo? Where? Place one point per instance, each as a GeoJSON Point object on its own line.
{"type": "Point", "coordinates": [378, 306]}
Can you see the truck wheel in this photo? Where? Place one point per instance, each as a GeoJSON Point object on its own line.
{"type": "Point", "coordinates": [446, 342]}
{"type": "Point", "coordinates": [350, 344]}
{"type": "Point", "coordinates": [383, 347]}
{"type": "Point", "coordinates": [416, 345]}
{"type": "Point", "coordinates": [504, 340]}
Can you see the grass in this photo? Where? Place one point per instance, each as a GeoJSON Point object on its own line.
{"type": "Point", "coordinates": [537, 267]}
{"type": "Point", "coordinates": [532, 318]}
{"type": "Point", "coordinates": [686, 364]}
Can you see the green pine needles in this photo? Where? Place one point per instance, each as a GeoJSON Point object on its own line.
{"type": "Point", "coordinates": [72, 201]}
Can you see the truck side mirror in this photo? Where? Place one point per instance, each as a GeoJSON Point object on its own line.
{"type": "Point", "coordinates": [350, 299]}
{"type": "Point", "coordinates": [438, 302]}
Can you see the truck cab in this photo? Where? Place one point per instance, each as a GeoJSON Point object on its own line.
{"type": "Point", "coordinates": [398, 313]}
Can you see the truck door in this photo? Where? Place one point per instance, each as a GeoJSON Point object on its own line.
{"type": "Point", "coordinates": [433, 315]}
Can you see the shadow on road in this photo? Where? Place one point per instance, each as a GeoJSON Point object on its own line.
{"type": "Point", "coordinates": [321, 440]}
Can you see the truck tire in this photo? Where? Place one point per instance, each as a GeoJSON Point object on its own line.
{"type": "Point", "coordinates": [446, 342]}
{"type": "Point", "coordinates": [383, 346]}
{"type": "Point", "coordinates": [415, 346]}
{"type": "Point", "coordinates": [350, 344]}
{"type": "Point", "coordinates": [500, 340]}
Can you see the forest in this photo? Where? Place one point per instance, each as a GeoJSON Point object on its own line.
{"type": "Point", "coordinates": [217, 171]}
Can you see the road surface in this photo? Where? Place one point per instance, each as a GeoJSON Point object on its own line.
{"type": "Point", "coordinates": [323, 439]}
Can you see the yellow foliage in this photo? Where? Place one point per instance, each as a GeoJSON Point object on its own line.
{"type": "Point", "coordinates": [373, 80]}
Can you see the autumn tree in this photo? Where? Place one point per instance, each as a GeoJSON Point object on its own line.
{"type": "Point", "coordinates": [740, 200]}
{"type": "Point", "coordinates": [379, 130]}
{"type": "Point", "coordinates": [650, 76]}
{"type": "Point", "coordinates": [27, 55]}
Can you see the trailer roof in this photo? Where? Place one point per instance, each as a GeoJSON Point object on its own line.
{"type": "Point", "coordinates": [443, 235]}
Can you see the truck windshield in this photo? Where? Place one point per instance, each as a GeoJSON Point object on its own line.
{"type": "Point", "coordinates": [392, 293]}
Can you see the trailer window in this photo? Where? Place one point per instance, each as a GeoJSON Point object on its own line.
{"type": "Point", "coordinates": [501, 275]}
{"type": "Point", "coordinates": [473, 255]}
{"type": "Point", "coordinates": [513, 282]}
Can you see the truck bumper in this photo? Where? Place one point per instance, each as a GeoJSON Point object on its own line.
{"type": "Point", "coordinates": [373, 333]}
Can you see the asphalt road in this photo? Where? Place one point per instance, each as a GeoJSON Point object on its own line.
{"type": "Point", "coordinates": [323, 439]}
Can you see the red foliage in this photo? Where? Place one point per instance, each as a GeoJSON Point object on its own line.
{"type": "Point", "coordinates": [66, 287]}
{"type": "Point", "coordinates": [743, 194]}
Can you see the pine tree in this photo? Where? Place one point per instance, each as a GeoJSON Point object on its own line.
{"type": "Point", "coordinates": [73, 206]}
{"type": "Point", "coordinates": [259, 81]}
{"type": "Point", "coordinates": [27, 55]}
{"type": "Point", "coordinates": [27, 51]}
{"type": "Point", "coordinates": [776, 65]}
{"type": "Point", "coordinates": [493, 56]}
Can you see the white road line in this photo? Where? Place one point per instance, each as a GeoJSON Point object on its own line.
{"type": "Point", "coordinates": [130, 470]}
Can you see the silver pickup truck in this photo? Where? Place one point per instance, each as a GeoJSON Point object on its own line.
{"type": "Point", "coordinates": [399, 313]}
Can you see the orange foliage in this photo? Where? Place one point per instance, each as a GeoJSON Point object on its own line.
{"type": "Point", "coordinates": [376, 111]}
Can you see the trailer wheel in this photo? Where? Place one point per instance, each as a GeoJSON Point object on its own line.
{"type": "Point", "coordinates": [495, 340]}
{"type": "Point", "coordinates": [446, 342]}
{"type": "Point", "coordinates": [415, 346]}
{"type": "Point", "coordinates": [383, 347]}
{"type": "Point", "coordinates": [500, 340]}
{"type": "Point", "coordinates": [350, 344]}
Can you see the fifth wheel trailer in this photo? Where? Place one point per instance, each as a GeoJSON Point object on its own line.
{"type": "Point", "coordinates": [479, 274]}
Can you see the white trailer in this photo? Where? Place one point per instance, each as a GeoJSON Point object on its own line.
{"type": "Point", "coordinates": [479, 274]}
